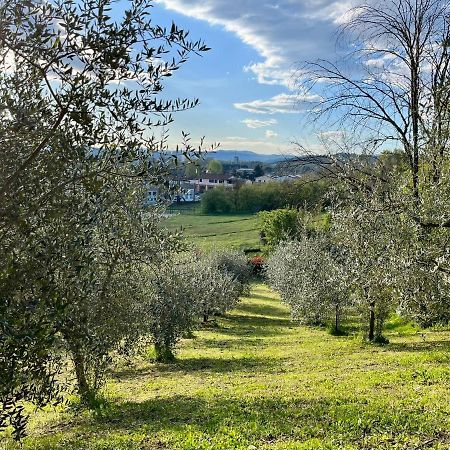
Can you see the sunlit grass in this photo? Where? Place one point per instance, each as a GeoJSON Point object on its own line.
{"type": "Point", "coordinates": [221, 230]}
{"type": "Point", "coordinates": [256, 379]}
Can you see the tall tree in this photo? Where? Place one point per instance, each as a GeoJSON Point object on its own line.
{"type": "Point", "coordinates": [397, 93]}
{"type": "Point", "coordinates": [81, 109]}
{"type": "Point", "coordinates": [394, 96]}
{"type": "Point", "coordinates": [215, 167]}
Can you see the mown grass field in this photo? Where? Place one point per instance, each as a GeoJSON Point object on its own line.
{"type": "Point", "coordinates": [217, 231]}
{"type": "Point", "coordinates": [257, 381]}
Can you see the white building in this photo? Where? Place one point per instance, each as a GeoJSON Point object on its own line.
{"type": "Point", "coordinates": [264, 179]}
{"type": "Point", "coordinates": [210, 181]}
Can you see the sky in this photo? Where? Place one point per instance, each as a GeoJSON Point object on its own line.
{"type": "Point", "coordinates": [246, 82]}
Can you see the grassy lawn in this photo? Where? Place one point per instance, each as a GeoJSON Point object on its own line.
{"type": "Point", "coordinates": [256, 381]}
{"type": "Point", "coordinates": [222, 230]}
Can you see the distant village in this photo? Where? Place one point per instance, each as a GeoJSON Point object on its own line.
{"type": "Point", "coordinates": [194, 179]}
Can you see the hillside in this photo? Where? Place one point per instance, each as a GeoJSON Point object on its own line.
{"type": "Point", "coordinates": [257, 381]}
{"type": "Point", "coordinates": [236, 231]}
{"type": "Point", "coordinates": [247, 155]}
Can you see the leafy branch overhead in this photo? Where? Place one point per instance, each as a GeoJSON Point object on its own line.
{"type": "Point", "coordinates": [83, 138]}
{"type": "Point", "coordinates": [99, 78]}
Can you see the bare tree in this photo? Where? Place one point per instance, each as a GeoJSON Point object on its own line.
{"type": "Point", "coordinates": [384, 122]}
{"type": "Point", "coordinates": [393, 95]}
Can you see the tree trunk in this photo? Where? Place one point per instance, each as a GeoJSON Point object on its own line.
{"type": "Point", "coordinates": [336, 320]}
{"type": "Point", "coordinates": [80, 371]}
{"type": "Point", "coordinates": [205, 317]}
{"type": "Point", "coordinates": [163, 353]}
{"type": "Point", "coordinates": [372, 321]}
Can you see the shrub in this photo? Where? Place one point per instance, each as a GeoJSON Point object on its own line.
{"type": "Point", "coordinates": [278, 225]}
{"type": "Point", "coordinates": [217, 200]}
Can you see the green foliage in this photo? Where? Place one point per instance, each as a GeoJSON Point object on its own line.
{"type": "Point", "coordinates": [251, 198]}
{"type": "Point", "coordinates": [258, 380]}
{"type": "Point", "coordinates": [369, 241]}
{"type": "Point", "coordinates": [216, 200]}
{"type": "Point", "coordinates": [258, 171]}
{"type": "Point", "coordinates": [214, 166]}
{"type": "Point", "coordinates": [192, 170]}
{"type": "Point", "coordinates": [278, 225]}
{"type": "Point", "coordinates": [259, 197]}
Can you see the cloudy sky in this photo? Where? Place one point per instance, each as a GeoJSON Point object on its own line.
{"type": "Point", "coordinates": [246, 83]}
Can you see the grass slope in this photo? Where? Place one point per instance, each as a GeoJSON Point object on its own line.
{"type": "Point", "coordinates": [222, 230]}
{"type": "Point", "coordinates": [256, 381]}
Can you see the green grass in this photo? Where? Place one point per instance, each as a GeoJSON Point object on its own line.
{"type": "Point", "coordinates": [258, 381]}
{"type": "Point", "coordinates": [222, 230]}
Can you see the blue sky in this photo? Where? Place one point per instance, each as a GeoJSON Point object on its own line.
{"type": "Point", "coordinates": [246, 82]}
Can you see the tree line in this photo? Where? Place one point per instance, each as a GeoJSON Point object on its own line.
{"type": "Point", "coordinates": [251, 198]}
{"type": "Point", "coordinates": [386, 249]}
{"type": "Point", "coordinates": [87, 270]}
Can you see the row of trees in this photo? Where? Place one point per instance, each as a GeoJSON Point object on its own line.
{"type": "Point", "coordinates": [87, 270]}
{"type": "Point", "coordinates": [387, 247]}
{"type": "Point", "coordinates": [159, 305]}
{"type": "Point", "coordinates": [192, 287]}
{"type": "Point", "coordinates": [330, 275]}
{"type": "Point", "coordinates": [355, 264]}
{"type": "Point", "coordinates": [251, 198]}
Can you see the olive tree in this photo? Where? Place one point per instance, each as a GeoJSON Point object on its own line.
{"type": "Point", "coordinates": [172, 309]}
{"type": "Point", "coordinates": [217, 291]}
{"type": "Point", "coordinates": [310, 276]}
{"type": "Point", "coordinates": [101, 282]}
{"type": "Point", "coordinates": [81, 110]}
{"type": "Point", "coordinates": [235, 264]}
{"type": "Point", "coordinates": [183, 289]}
{"type": "Point", "coordinates": [394, 96]}
{"type": "Point", "coordinates": [372, 270]}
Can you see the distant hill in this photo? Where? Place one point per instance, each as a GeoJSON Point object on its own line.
{"type": "Point", "coordinates": [246, 155]}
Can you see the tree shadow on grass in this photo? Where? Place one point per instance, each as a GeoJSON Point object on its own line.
{"type": "Point", "coordinates": [250, 364]}
{"type": "Point", "coordinates": [235, 344]}
{"type": "Point", "coordinates": [267, 298]}
{"type": "Point", "coordinates": [239, 325]}
{"type": "Point", "coordinates": [244, 364]}
{"type": "Point", "coordinates": [420, 346]}
{"type": "Point", "coordinates": [349, 420]}
{"type": "Point", "coordinates": [277, 312]}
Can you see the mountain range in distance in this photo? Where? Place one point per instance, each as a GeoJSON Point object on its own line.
{"type": "Point", "coordinates": [246, 155]}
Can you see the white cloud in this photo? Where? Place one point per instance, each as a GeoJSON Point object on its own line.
{"type": "Point", "coordinates": [282, 34]}
{"type": "Point", "coordinates": [236, 138]}
{"type": "Point", "coordinates": [282, 104]}
{"type": "Point", "coordinates": [255, 123]}
{"type": "Point", "coordinates": [270, 134]}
